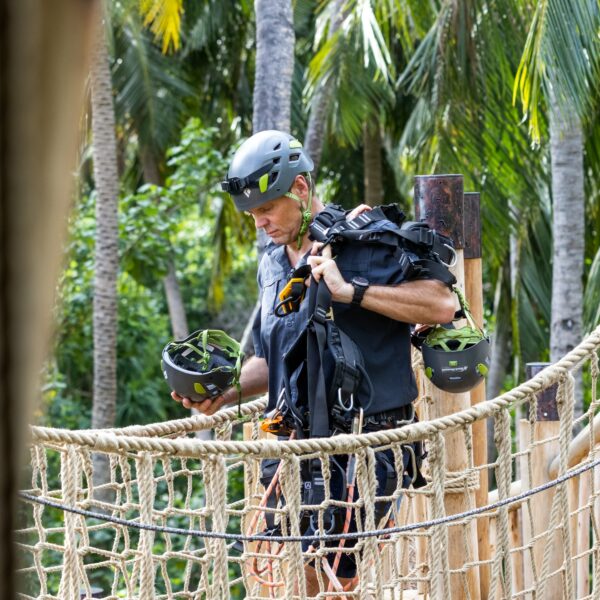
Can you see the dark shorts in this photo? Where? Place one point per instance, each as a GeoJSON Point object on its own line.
{"type": "Point", "coordinates": [333, 518]}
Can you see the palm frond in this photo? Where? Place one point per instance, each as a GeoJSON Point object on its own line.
{"type": "Point", "coordinates": [152, 88]}
{"type": "Point", "coordinates": [163, 17]}
{"type": "Point", "coordinates": [562, 56]}
{"type": "Point", "coordinates": [591, 297]}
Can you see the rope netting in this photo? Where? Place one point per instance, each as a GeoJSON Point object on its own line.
{"type": "Point", "coordinates": [153, 512]}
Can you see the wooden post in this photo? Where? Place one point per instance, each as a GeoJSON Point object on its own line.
{"type": "Point", "coordinates": [546, 426]}
{"type": "Point", "coordinates": [474, 295]}
{"type": "Point", "coordinates": [439, 203]}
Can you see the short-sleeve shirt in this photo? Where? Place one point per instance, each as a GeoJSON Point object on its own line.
{"type": "Point", "coordinates": [384, 342]}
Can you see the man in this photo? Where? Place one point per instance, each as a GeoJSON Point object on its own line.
{"type": "Point", "coordinates": [269, 177]}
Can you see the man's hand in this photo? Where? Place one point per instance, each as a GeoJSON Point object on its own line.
{"type": "Point", "coordinates": [324, 266]}
{"type": "Point", "coordinates": [207, 407]}
{"type": "Point", "coordinates": [361, 208]}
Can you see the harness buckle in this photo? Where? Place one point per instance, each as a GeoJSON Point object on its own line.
{"type": "Point", "coordinates": [320, 314]}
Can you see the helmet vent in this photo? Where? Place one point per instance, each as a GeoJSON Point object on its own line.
{"type": "Point", "coordinates": [277, 147]}
{"type": "Point", "coordinates": [294, 157]}
{"type": "Point", "coordinates": [276, 160]}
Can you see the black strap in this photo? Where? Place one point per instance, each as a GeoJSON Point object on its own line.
{"type": "Point", "coordinates": [319, 306]}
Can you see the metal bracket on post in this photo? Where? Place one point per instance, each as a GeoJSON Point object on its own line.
{"type": "Point", "coordinates": [547, 410]}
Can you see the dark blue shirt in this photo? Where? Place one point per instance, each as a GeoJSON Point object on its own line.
{"type": "Point", "coordinates": [384, 342]}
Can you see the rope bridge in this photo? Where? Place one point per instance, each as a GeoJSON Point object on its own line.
{"type": "Point", "coordinates": [177, 517]}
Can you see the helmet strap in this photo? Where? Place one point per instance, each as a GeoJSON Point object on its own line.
{"type": "Point", "coordinates": [306, 212]}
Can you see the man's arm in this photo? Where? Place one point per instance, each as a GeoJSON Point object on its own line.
{"type": "Point", "coordinates": [254, 379]}
{"type": "Point", "coordinates": [418, 301]}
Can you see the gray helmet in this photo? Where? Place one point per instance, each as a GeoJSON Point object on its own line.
{"type": "Point", "coordinates": [457, 360]}
{"type": "Point", "coordinates": [264, 168]}
{"type": "Point", "coordinates": [203, 365]}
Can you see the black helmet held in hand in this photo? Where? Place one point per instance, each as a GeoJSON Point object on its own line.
{"type": "Point", "coordinates": [203, 365]}
{"type": "Point", "coordinates": [457, 360]}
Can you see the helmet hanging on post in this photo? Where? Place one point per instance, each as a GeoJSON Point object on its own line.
{"type": "Point", "coordinates": [202, 366]}
{"type": "Point", "coordinates": [457, 360]}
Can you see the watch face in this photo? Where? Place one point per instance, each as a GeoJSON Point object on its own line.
{"type": "Point", "coordinates": [360, 281]}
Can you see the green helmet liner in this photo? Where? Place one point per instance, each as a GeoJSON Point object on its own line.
{"type": "Point", "coordinates": [457, 360]}
{"type": "Point", "coordinates": [203, 365]}
{"type": "Point", "coordinates": [264, 168]}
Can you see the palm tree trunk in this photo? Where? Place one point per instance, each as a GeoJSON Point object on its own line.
{"type": "Point", "coordinates": [272, 99]}
{"type": "Point", "coordinates": [107, 256]}
{"type": "Point", "coordinates": [566, 147]}
{"type": "Point", "coordinates": [179, 324]}
{"type": "Point", "coordinates": [107, 252]}
{"type": "Point", "coordinates": [372, 150]}
{"type": "Point", "coordinates": [275, 40]}
{"type": "Point", "coordinates": [317, 121]}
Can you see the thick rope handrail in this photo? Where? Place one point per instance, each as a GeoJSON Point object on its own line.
{"type": "Point", "coordinates": [180, 426]}
{"type": "Point", "coordinates": [317, 536]}
{"type": "Point", "coordinates": [108, 440]}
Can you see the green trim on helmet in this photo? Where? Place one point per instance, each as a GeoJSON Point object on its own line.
{"type": "Point", "coordinates": [482, 369]}
{"type": "Point", "coordinates": [453, 340]}
{"type": "Point", "coordinates": [263, 183]}
{"type": "Point", "coordinates": [429, 372]}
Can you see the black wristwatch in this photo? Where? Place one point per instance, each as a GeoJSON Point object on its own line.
{"type": "Point", "coordinates": [360, 285]}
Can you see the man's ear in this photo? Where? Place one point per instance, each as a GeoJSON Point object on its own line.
{"type": "Point", "coordinates": [301, 186]}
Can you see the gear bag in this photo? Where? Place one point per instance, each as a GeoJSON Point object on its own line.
{"type": "Point", "coordinates": [422, 252]}
{"type": "Point", "coordinates": [325, 382]}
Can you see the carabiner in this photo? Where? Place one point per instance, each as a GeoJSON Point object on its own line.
{"type": "Point", "coordinates": [454, 257]}
{"type": "Point", "coordinates": [348, 408]}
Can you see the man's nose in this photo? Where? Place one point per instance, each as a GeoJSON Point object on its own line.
{"type": "Point", "coordinates": [260, 222]}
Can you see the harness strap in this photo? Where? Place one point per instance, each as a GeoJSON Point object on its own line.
{"type": "Point", "coordinates": [319, 307]}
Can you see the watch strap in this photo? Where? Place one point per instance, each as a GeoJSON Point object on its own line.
{"type": "Point", "coordinates": [359, 291]}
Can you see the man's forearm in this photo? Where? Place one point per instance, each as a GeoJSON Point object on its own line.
{"type": "Point", "coordinates": [254, 380]}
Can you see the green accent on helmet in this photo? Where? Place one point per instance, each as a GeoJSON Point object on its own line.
{"type": "Point", "coordinates": [199, 388]}
{"type": "Point", "coordinates": [295, 144]}
{"type": "Point", "coordinates": [453, 363]}
{"type": "Point", "coordinates": [482, 369]}
{"type": "Point", "coordinates": [429, 372]}
{"type": "Point", "coordinates": [263, 183]}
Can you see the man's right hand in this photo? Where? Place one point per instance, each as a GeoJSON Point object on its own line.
{"type": "Point", "coordinates": [207, 407]}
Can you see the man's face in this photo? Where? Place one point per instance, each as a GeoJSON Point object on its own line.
{"type": "Point", "coordinates": [280, 218]}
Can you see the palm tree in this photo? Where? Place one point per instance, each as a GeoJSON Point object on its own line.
{"type": "Point", "coordinates": [560, 64]}
{"type": "Point", "coordinates": [107, 249]}
{"type": "Point", "coordinates": [275, 41]}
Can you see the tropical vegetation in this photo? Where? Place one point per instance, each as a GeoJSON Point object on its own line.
{"type": "Point", "coordinates": [503, 91]}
